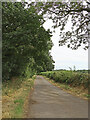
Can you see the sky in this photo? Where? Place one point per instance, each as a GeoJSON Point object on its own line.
{"type": "Point", "coordinates": [65, 57]}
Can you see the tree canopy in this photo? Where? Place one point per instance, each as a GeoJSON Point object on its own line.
{"type": "Point", "coordinates": [60, 12]}
{"type": "Point", "coordinates": [26, 43]}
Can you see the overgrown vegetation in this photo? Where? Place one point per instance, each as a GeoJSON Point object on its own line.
{"type": "Point", "coordinates": [70, 79]}
{"type": "Point", "coordinates": [15, 95]}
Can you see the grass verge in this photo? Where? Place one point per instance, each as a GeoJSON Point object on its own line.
{"type": "Point", "coordinates": [14, 97]}
{"type": "Point", "coordinates": [76, 91]}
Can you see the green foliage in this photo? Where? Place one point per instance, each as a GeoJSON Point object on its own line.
{"type": "Point", "coordinates": [26, 43]}
{"type": "Point", "coordinates": [69, 77]}
{"type": "Point", "coordinates": [19, 108]}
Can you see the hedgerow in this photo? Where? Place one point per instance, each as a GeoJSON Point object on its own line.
{"type": "Point", "coordinates": [69, 77]}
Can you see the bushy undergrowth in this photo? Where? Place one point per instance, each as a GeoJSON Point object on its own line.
{"type": "Point", "coordinates": [69, 77]}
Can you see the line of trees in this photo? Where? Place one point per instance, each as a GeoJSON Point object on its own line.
{"type": "Point", "coordinates": [25, 43]}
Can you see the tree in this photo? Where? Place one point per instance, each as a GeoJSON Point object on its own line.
{"type": "Point", "coordinates": [60, 12]}
{"type": "Point", "coordinates": [24, 40]}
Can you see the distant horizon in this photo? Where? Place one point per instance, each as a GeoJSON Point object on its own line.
{"type": "Point", "coordinates": [72, 69]}
{"type": "Point", "coordinates": [68, 68]}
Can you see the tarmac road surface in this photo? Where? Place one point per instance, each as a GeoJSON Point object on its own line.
{"type": "Point", "coordinates": [49, 101]}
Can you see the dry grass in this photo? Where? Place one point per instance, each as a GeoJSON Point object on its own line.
{"type": "Point", "coordinates": [14, 97]}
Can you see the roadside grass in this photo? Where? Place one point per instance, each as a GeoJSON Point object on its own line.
{"type": "Point", "coordinates": [14, 97]}
{"type": "Point", "coordinates": [19, 108]}
{"type": "Point", "coordinates": [78, 91]}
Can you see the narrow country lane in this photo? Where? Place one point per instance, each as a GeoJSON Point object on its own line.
{"type": "Point", "coordinates": [49, 101]}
